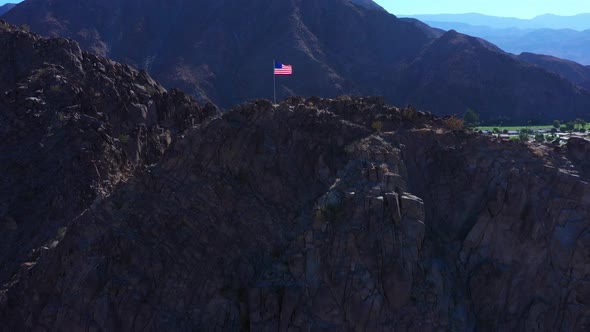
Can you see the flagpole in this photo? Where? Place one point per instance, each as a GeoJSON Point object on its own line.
{"type": "Point", "coordinates": [274, 81]}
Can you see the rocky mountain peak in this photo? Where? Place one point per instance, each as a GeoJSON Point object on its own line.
{"type": "Point", "coordinates": [340, 212]}
{"type": "Point", "coordinates": [219, 51]}
{"type": "Point", "coordinates": [6, 7]}
{"type": "Point", "coordinates": [126, 206]}
{"type": "Point", "coordinates": [73, 127]}
{"type": "Point", "coordinates": [370, 4]}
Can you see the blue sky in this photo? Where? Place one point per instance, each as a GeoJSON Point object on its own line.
{"type": "Point", "coordinates": [510, 8]}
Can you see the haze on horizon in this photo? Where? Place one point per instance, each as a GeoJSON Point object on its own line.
{"type": "Point", "coordinates": [524, 9]}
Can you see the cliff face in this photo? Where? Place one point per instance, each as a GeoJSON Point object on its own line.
{"type": "Point", "coordinates": [73, 127]}
{"type": "Point", "coordinates": [303, 216]}
{"type": "Point", "coordinates": [223, 51]}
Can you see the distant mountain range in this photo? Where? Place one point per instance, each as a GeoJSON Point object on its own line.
{"type": "Point", "coordinates": [548, 21]}
{"type": "Point", "coordinates": [222, 51]}
{"type": "Point", "coordinates": [548, 34]}
{"type": "Point", "coordinates": [6, 7]}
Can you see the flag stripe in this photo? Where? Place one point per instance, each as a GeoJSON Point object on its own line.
{"type": "Point", "coordinates": [281, 69]}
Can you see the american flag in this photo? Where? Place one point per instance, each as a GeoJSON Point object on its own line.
{"type": "Point", "coordinates": [281, 69]}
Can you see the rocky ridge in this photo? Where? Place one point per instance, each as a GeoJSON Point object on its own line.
{"type": "Point", "coordinates": [325, 214]}
{"type": "Point", "coordinates": [73, 127]}
{"type": "Point", "coordinates": [222, 51]}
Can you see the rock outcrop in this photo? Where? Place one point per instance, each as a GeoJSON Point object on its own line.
{"type": "Point", "coordinates": [318, 214]}
{"type": "Point", "coordinates": [73, 127]}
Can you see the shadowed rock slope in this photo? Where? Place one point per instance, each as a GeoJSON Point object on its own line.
{"type": "Point", "coordinates": [302, 216]}
{"type": "Point", "coordinates": [223, 51]}
{"type": "Point", "coordinates": [73, 127]}
{"type": "Point", "coordinates": [6, 7]}
{"type": "Point", "coordinates": [575, 72]}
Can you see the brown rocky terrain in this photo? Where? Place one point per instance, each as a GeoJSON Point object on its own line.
{"type": "Point", "coordinates": [73, 127]}
{"type": "Point", "coordinates": [301, 216]}
{"type": "Point", "coordinates": [222, 51]}
{"type": "Point", "coordinates": [570, 70]}
{"type": "Point", "coordinates": [126, 207]}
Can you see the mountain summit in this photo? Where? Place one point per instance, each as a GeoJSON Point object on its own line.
{"type": "Point", "coordinates": [223, 51]}
{"type": "Point", "coordinates": [6, 7]}
{"type": "Point", "coordinates": [368, 4]}
{"type": "Point", "coordinates": [73, 126]}
{"type": "Point", "coordinates": [126, 207]}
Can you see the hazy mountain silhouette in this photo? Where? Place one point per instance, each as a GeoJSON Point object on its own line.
{"type": "Point", "coordinates": [223, 51]}
{"type": "Point", "coordinates": [6, 7]}
{"type": "Point", "coordinates": [548, 21]}
{"type": "Point", "coordinates": [564, 43]}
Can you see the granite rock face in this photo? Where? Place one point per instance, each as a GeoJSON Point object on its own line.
{"type": "Point", "coordinates": [73, 127]}
{"type": "Point", "coordinates": [319, 214]}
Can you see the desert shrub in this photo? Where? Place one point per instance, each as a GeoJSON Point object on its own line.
{"type": "Point", "coordinates": [329, 212]}
{"type": "Point", "coordinates": [523, 136]}
{"type": "Point", "coordinates": [124, 138]}
{"type": "Point", "coordinates": [454, 123]}
{"type": "Point", "coordinates": [25, 27]}
{"type": "Point", "coordinates": [540, 138]}
{"type": "Point", "coordinates": [505, 131]}
{"type": "Point", "coordinates": [496, 131]}
{"type": "Point", "coordinates": [377, 126]}
{"type": "Point", "coordinates": [556, 124]}
{"type": "Point", "coordinates": [471, 118]}
{"type": "Point", "coordinates": [563, 129]}
{"type": "Point", "coordinates": [409, 113]}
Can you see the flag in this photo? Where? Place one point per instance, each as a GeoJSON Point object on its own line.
{"type": "Point", "coordinates": [281, 69]}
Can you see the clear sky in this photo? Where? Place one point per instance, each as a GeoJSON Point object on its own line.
{"type": "Point", "coordinates": [9, 1]}
{"type": "Point", "coordinates": [507, 8]}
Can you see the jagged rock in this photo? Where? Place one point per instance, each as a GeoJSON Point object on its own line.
{"type": "Point", "coordinates": [579, 151]}
{"type": "Point", "coordinates": [297, 216]}
{"type": "Point", "coordinates": [412, 207]}
{"type": "Point", "coordinates": [73, 127]}
{"type": "Point", "coordinates": [266, 219]}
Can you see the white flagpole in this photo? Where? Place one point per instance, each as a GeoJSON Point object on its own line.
{"type": "Point", "coordinates": [274, 81]}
